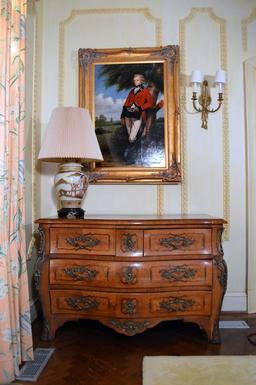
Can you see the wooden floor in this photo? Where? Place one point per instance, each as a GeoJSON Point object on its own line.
{"type": "Point", "coordinates": [87, 353]}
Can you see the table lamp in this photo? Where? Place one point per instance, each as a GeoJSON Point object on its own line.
{"type": "Point", "coordinates": [70, 140]}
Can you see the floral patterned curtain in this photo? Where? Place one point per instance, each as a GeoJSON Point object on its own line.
{"type": "Point", "coordinates": [15, 324]}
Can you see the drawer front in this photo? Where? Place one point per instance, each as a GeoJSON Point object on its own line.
{"type": "Point", "coordinates": [82, 241]}
{"type": "Point", "coordinates": [131, 275]}
{"type": "Point", "coordinates": [182, 273]}
{"type": "Point", "coordinates": [80, 302]}
{"type": "Point", "coordinates": [189, 303]}
{"type": "Point", "coordinates": [177, 242]}
{"type": "Point", "coordinates": [129, 242]}
{"type": "Point", "coordinates": [130, 305]}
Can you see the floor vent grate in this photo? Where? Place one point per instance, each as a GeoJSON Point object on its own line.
{"type": "Point", "coordinates": [234, 325]}
{"type": "Point", "coordinates": [32, 369]}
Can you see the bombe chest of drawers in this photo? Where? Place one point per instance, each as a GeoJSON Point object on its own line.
{"type": "Point", "coordinates": [130, 273]}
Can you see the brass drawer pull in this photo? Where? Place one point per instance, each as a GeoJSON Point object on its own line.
{"type": "Point", "coordinates": [84, 241]}
{"type": "Point", "coordinates": [81, 273]}
{"type": "Point", "coordinates": [129, 306]}
{"type": "Point", "coordinates": [176, 304]}
{"type": "Point", "coordinates": [175, 242]}
{"type": "Point", "coordinates": [82, 303]}
{"type": "Point", "coordinates": [128, 243]}
{"type": "Point", "coordinates": [178, 273]}
{"type": "Point", "coordinates": [129, 276]}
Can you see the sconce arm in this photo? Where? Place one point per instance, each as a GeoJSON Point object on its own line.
{"type": "Point", "coordinates": [220, 100]}
{"type": "Point", "coordinates": [194, 100]}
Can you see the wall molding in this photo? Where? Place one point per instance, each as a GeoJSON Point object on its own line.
{"type": "Point", "coordinates": [250, 99]}
{"type": "Point", "coordinates": [225, 121]}
{"type": "Point", "coordinates": [34, 125]}
{"type": "Point", "coordinates": [244, 28]}
{"type": "Point", "coordinates": [104, 11]}
{"type": "Point", "coordinates": [234, 301]}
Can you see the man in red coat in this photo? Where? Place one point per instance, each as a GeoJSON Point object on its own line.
{"type": "Point", "coordinates": [135, 107]}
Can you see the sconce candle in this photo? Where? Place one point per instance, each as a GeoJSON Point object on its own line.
{"type": "Point", "coordinates": [196, 79]}
{"type": "Point", "coordinates": [220, 79]}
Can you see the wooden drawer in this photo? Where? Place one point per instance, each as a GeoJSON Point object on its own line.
{"type": "Point", "coordinates": [177, 242]}
{"type": "Point", "coordinates": [82, 241]}
{"type": "Point", "coordinates": [130, 305]}
{"type": "Point", "coordinates": [189, 303]}
{"type": "Point", "coordinates": [129, 242]}
{"type": "Point", "coordinates": [131, 275]}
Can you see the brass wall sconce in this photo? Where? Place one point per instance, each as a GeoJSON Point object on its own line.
{"type": "Point", "coordinates": [202, 103]}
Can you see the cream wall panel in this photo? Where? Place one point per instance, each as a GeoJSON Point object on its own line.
{"type": "Point", "coordinates": [210, 156]}
{"type": "Point", "coordinates": [250, 89]}
{"type": "Point", "coordinates": [248, 26]}
{"type": "Point", "coordinates": [202, 49]}
{"type": "Point", "coordinates": [204, 148]}
{"type": "Point", "coordinates": [115, 199]}
{"type": "Point", "coordinates": [251, 34]}
{"type": "Point", "coordinates": [235, 249]}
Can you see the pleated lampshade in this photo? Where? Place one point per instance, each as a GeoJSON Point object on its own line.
{"type": "Point", "coordinates": [70, 135]}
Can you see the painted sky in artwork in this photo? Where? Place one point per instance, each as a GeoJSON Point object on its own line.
{"type": "Point", "coordinates": [108, 100]}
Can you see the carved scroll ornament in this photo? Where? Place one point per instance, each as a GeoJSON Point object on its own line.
{"type": "Point", "coordinates": [176, 304]}
{"type": "Point", "coordinates": [175, 242]}
{"type": "Point", "coordinates": [82, 303]}
{"type": "Point", "coordinates": [129, 327]}
{"type": "Point", "coordinates": [178, 273]}
{"type": "Point", "coordinates": [81, 273]}
{"type": "Point", "coordinates": [83, 241]}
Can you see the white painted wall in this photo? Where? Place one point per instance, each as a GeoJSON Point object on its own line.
{"type": "Point", "coordinates": [211, 35]}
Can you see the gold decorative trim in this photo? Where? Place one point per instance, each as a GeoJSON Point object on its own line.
{"type": "Point", "coordinates": [244, 28]}
{"type": "Point", "coordinates": [34, 138]}
{"type": "Point", "coordinates": [184, 163]}
{"type": "Point", "coordinates": [225, 122]}
{"type": "Point", "coordinates": [78, 12]}
{"type": "Point", "coordinates": [33, 126]}
{"type": "Point", "coordinates": [160, 200]}
{"type": "Point", "coordinates": [158, 41]}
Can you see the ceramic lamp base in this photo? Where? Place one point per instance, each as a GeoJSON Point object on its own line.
{"type": "Point", "coordinates": [75, 212]}
{"type": "Point", "coordinates": [71, 184]}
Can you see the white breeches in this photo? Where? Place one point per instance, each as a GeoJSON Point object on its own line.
{"type": "Point", "coordinates": [132, 127]}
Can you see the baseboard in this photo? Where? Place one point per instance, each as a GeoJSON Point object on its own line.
{"type": "Point", "coordinates": [235, 302]}
{"type": "Point", "coordinates": [34, 306]}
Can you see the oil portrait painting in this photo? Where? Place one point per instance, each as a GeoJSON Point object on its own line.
{"type": "Point", "coordinates": [132, 96]}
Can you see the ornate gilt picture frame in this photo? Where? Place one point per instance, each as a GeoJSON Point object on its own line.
{"type": "Point", "coordinates": [133, 98]}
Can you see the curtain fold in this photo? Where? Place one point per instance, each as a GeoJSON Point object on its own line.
{"type": "Point", "coordinates": [15, 324]}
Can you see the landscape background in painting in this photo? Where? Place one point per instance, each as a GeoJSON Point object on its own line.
{"type": "Point", "coordinates": [113, 82]}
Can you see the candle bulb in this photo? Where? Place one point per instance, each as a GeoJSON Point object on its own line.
{"type": "Point", "coordinates": [220, 87]}
{"type": "Point", "coordinates": [220, 79]}
{"type": "Point", "coordinates": [196, 79]}
{"type": "Point", "coordinates": [195, 87]}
